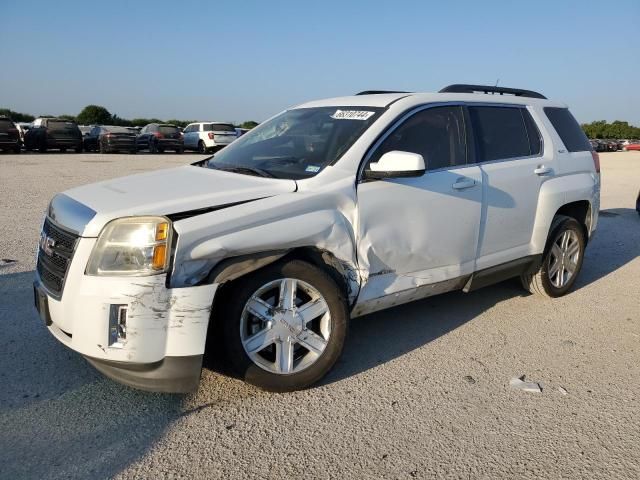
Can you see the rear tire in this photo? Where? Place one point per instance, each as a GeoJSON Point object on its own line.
{"type": "Point", "coordinates": [63, 149]}
{"type": "Point", "coordinates": [202, 148]}
{"type": "Point", "coordinates": [78, 150]}
{"type": "Point", "coordinates": [561, 263]}
{"type": "Point", "coordinates": [43, 147]}
{"type": "Point", "coordinates": [269, 372]}
{"type": "Point", "coordinates": [179, 150]}
{"type": "Point", "coordinates": [102, 147]}
{"type": "Point", "coordinates": [153, 147]}
{"type": "Point", "coordinates": [17, 149]}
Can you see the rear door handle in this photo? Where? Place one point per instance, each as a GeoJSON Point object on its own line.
{"type": "Point", "coordinates": [542, 170]}
{"type": "Point", "coordinates": [463, 183]}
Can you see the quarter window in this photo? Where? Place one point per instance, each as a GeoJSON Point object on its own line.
{"type": "Point", "coordinates": [568, 128]}
{"type": "Point", "coordinates": [435, 133]}
{"type": "Point", "coordinates": [500, 133]}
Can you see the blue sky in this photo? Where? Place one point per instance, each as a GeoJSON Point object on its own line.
{"type": "Point", "coordinates": [241, 60]}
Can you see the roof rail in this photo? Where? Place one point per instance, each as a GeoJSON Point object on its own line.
{"type": "Point", "coordinates": [463, 88]}
{"type": "Point", "coordinates": [378, 92]}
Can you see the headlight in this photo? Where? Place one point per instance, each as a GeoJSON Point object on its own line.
{"type": "Point", "coordinates": [135, 246]}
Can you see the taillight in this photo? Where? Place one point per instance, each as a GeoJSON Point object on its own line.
{"type": "Point", "coordinates": [596, 160]}
{"type": "Point", "coordinates": [211, 135]}
{"type": "Point", "coordinates": [158, 135]}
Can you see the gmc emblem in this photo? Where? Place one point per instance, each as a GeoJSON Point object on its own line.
{"type": "Point", "coordinates": [46, 244]}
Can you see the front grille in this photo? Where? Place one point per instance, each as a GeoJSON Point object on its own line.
{"type": "Point", "coordinates": [54, 256]}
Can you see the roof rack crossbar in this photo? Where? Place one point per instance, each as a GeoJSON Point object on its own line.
{"type": "Point", "coordinates": [464, 88]}
{"type": "Point", "coordinates": [378, 92]}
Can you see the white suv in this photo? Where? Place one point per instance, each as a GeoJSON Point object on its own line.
{"type": "Point", "coordinates": [327, 211]}
{"type": "Point", "coordinates": [208, 136]}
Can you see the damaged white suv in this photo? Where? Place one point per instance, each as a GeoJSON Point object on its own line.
{"type": "Point", "coordinates": [327, 211]}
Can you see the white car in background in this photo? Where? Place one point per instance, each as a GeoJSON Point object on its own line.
{"type": "Point", "coordinates": [208, 136]}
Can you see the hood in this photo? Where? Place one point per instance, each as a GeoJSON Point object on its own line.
{"type": "Point", "coordinates": [171, 191]}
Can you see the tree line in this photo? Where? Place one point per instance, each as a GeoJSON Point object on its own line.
{"type": "Point", "coordinates": [98, 115]}
{"type": "Point", "coordinates": [617, 129]}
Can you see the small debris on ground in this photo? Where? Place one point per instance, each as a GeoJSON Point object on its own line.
{"type": "Point", "coordinates": [469, 379]}
{"type": "Point", "coordinates": [7, 261]}
{"type": "Point", "coordinates": [520, 384]}
{"type": "Point", "coordinates": [562, 390]}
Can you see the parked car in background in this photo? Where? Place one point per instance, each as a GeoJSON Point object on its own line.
{"type": "Point", "coordinates": [110, 138]}
{"type": "Point", "coordinates": [22, 129]}
{"type": "Point", "coordinates": [158, 137]}
{"type": "Point", "coordinates": [208, 136]}
{"type": "Point", "coordinates": [632, 147]}
{"type": "Point", "coordinates": [9, 136]}
{"type": "Point", "coordinates": [242, 131]}
{"type": "Point", "coordinates": [85, 129]}
{"type": "Point", "coordinates": [54, 133]}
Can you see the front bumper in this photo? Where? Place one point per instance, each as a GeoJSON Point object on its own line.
{"type": "Point", "coordinates": [166, 328]}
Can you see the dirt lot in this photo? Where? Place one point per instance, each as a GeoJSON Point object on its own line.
{"type": "Point", "coordinates": [422, 390]}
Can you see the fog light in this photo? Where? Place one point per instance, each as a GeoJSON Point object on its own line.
{"type": "Point", "coordinates": [117, 326]}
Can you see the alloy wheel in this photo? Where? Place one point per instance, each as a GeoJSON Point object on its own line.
{"type": "Point", "coordinates": [285, 326]}
{"type": "Point", "coordinates": [564, 258]}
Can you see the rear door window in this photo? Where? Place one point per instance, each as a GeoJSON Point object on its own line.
{"type": "Point", "coordinates": [167, 129]}
{"type": "Point", "coordinates": [435, 133]}
{"type": "Point", "coordinates": [568, 129]}
{"type": "Point", "coordinates": [500, 133]}
{"type": "Point", "coordinates": [5, 125]}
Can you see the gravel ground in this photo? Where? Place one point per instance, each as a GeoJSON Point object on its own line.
{"type": "Point", "coordinates": [422, 390]}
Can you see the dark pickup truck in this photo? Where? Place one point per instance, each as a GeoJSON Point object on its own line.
{"type": "Point", "coordinates": [9, 136]}
{"type": "Point", "coordinates": [53, 133]}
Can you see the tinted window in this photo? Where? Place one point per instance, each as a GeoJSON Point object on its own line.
{"type": "Point", "coordinates": [535, 139]}
{"type": "Point", "coordinates": [218, 127]}
{"type": "Point", "coordinates": [435, 133]}
{"type": "Point", "coordinates": [5, 124]}
{"type": "Point", "coordinates": [567, 127]}
{"type": "Point", "coordinates": [61, 125]}
{"type": "Point", "coordinates": [500, 133]}
{"type": "Point", "coordinates": [168, 129]}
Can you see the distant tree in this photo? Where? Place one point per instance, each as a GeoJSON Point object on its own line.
{"type": "Point", "coordinates": [123, 122]}
{"type": "Point", "coordinates": [16, 116]}
{"type": "Point", "coordinates": [249, 124]}
{"type": "Point", "coordinates": [179, 123]}
{"type": "Point", "coordinates": [94, 115]}
{"type": "Point", "coordinates": [616, 129]}
{"type": "Point", "coordinates": [141, 122]}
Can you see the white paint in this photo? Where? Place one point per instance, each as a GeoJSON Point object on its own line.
{"type": "Point", "coordinates": [397, 240]}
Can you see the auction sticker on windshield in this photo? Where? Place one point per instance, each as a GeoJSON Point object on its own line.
{"type": "Point", "coordinates": [352, 115]}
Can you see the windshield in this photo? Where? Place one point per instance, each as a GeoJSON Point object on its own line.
{"type": "Point", "coordinates": [298, 143]}
{"type": "Point", "coordinates": [61, 125]}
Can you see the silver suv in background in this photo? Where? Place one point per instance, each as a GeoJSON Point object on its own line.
{"type": "Point", "coordinates": [208, 136]}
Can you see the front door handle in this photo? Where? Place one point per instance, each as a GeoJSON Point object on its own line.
{"type": "Point", "coordinates": [542, 170]}
{"type": "Point", "coordinates": [463, 183]}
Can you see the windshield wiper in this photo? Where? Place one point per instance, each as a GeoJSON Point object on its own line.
{"type": "Point", "coordinates": [258, 172]}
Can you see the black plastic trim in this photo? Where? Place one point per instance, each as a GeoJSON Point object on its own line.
{"type": "Point", "coordinates": [169, 375]}
{"type": "Point", "coordinates": [504, 271]}
{"type": "Point", "coordinates": [465, 88]}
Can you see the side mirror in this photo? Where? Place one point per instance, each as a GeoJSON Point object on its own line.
{"type": "Point", "coordinates": [397, 164]}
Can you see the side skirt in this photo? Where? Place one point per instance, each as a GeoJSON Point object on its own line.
{"type": "Point", "coordinates": [504, 271]}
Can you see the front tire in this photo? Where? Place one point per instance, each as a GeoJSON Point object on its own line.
{"type": "Point", "coordinates": [284, 326]}
{"type": "Point", "coordinates": [561, 262]}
